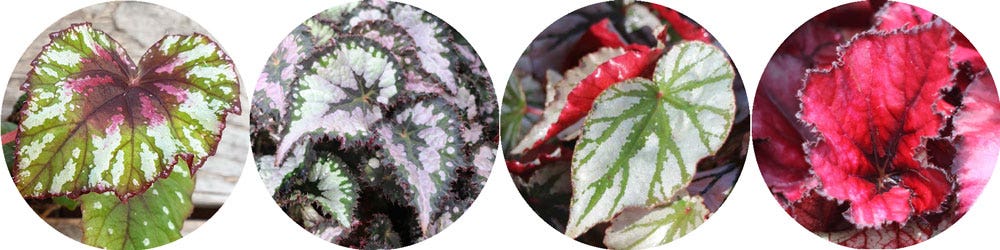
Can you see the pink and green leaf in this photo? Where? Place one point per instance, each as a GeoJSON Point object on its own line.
{"type": "Point", "coordinates": [422, 143]}
{"type": "Point", "coordinates": [95, 122]}
{"type": "Point", "coordinates": [342, 95]}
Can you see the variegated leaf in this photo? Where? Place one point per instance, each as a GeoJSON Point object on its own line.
{"type": "Point", "coordinates": [343, 94]}
{"type": "Point", "coordinates": [483, 158]}
{"type": "Point", "coordinates": [643, 138]}
{"type": "Point", "coordinates": [94, 121]}
{"type": "Point", "coordinates": [271, 94]}
{"type": "Point", "coordinates": [557, 91]}
{"type": "Point", "coordinates": [639, 228]}
{"type": "Point", "coordinates": [422, 142]}
{"type": "Point", "coordinates": [428, 33]}
{"type": "Point", "coordinates": [151, 219]}
{"type": "Point", "coordinates": [323, 184]}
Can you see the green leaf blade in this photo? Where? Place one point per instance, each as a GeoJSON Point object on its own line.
{"type": "Point", "coordinates": [151, 219]}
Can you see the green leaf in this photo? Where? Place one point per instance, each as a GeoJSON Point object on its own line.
{"type": "Point", "coordinates": [512, 112]}
{"type": "Point", "coordinates": [642, 140]}
{"type": "Point", "coordinates": [96, 122]}
{"type": "Point", "coordinates": [641, 228]}
{"type": "Point", "coordinates": [151, 219]}
{"type": "Point", "coordinates": [66, 202]}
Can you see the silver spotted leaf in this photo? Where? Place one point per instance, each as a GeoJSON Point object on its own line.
{"type": "Point", "coordinates": [422, 142]}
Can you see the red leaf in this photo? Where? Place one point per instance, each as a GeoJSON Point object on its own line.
{"type": "Point", "coordinates": [895, 15]}
{"type": "Point", "coordinates": [685, 29]}
{"type": "Point", "coordinates": [599, 35]}
{"type": "Point", "coordinates": [977, 126]}
{"type": "Point", "coordinates": [602, 34]}
{"type": "Point", "coordinates": [818, 213]}
{"type": "Point", "coordinates": [637, 61]}
{"type": "Point", "coordinates": [543, 155]}
{"type": "Point", "coordinates": [778, 147]}
{"type": "Point", "coordinates": [873, 111]}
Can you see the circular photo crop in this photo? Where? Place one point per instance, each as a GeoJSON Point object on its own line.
{"type": "Point", "coordinates": [122, 125]}
{"type": "Point", "coordinates": [876, 125]}
{"type": "Point", "coordinates": [375, 125]}
{"type": "Point", "coordinates": [624, 125]}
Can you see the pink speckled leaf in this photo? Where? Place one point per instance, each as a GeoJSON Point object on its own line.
{"type": "Point", "coordinates": [96, 122]}
{"type": "Point", "coordinates": [274, 83]}
{"type": "Point", "coordinates": [342, 95]}
{"type": "Point", "coordinates": [423, 144]}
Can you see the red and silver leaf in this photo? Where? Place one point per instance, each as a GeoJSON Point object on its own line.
{"type": "Point", "coordinates": [556, 96]}
{"type": "Point", "coordinates": [977, 127]}
{"type": "Point", "coordinates": [684, 28]}
{"type": "Point", "coordinates": [601, 34]}
{"type": "Point", "coordinates": [873, 111]}
{"type": "Point", "coordinates": [637, 61]}
{"type": "Point", "coordinates": [96, 122]}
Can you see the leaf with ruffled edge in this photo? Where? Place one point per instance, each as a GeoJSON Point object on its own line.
{"type": "Point", "coordinates": [342, 95]}
{"type": "Point", "coordinates": [96, 122]}
{"type": "Point", "coordinates": [427, 32]}
{"type": "Point", "coordinates": [148, 220]}
{"type": "Point", "coordinates": [422, 142]}
{"type": "Point", "coordinates": [639, 228]}
{"type": "Point", "coordinates": [873, 115]}
{"type": "Point", "coordinates": [977, 127]}
{"type": "Point", "coordinates": [643, 139]}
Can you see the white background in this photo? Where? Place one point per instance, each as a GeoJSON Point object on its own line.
{"type": "Point", "coordinates": [499, 30]}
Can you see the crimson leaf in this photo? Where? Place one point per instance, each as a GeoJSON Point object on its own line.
{"type": "Point", "coordinates": [873, 118]}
